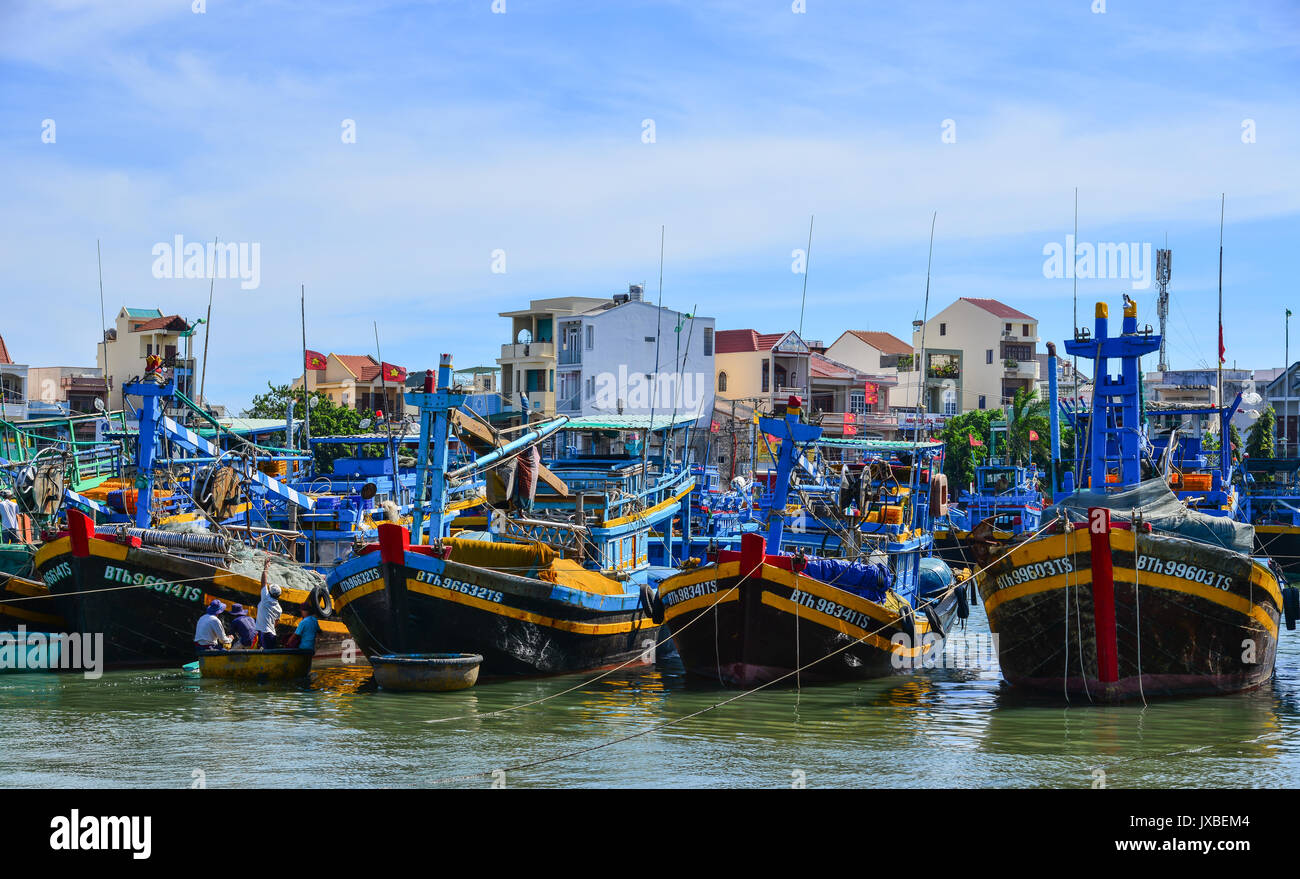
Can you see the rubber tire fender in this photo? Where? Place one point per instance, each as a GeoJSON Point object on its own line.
{"type": "Point", "coordinates": [1291, 605]}
{"type": "Point", "coordinates": [320, 602]}
{"type": "Point", "coordinates": [653, 604]}
{"type": "Point", "coordinates": [936, 623]}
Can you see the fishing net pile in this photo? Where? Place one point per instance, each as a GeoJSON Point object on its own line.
{"type": "Point", "coordinates": [1155, 503]}
{"type": "Point", "coordinates": [248, 560]}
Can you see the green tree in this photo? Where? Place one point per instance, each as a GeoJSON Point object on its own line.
{"type": "Point", "coordinates": [1028, 412]}
{"type": "Point", "coordinates": [960, 459]}
{"type": "Point", "coordinates": [1259, 439]}
{"type": "Point", "coordinates": [327, 419]}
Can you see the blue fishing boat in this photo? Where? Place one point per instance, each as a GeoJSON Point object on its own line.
{"type": "Point", "coordinates": [1132, 592]}
{"type": "Point", "coordinates": [533, 589]}
{"type": "Point", "coordinates": [763, 613]}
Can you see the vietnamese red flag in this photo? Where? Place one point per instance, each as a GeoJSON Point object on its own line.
{"type": "Point", "coordinates": [871, 394]}
{"type": "Point", "coordinates": [1033, 436]}
{"type": "Point", "coordinates": [974, 442]}
{"type": "Point", "coordinates": [1222, 351]}
{"type": "Point", "coordinates": [315, 360]}
{"type": "Point", "coordinates": [393, 373]}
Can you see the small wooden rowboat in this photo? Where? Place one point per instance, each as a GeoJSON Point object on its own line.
{"type": "Point", "coordinates": [426, 671]}
{"type": "Point", "coordinates": [281, 664]}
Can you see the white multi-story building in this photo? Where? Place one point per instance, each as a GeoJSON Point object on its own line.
{"type": "Point", "coordinates": [578, 355]}
{"type": "Point", "coordinates": [978, 353]}
{"type": "Point", "coordinates": [138, 333]}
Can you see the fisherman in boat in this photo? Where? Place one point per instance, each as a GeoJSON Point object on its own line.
{"type": "Point", "coordinates": [304, 637]}
{"type": "Point", "coordinates": [9, 516]}
{"type": "Point", "coordinates": [241, 626]}
{"type": "Point", "coordinates": [268, 611]}
{"type": "Point", "coordinates": [209, 634]}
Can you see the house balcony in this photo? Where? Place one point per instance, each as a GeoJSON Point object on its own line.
{"type": "Point", "coordinates": [833, 423]}
{"type": "Point", "coordinates": [531, 351]}
{"type": "Point", "coordinates": [1020, 369]}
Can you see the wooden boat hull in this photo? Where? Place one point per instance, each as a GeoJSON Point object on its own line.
{"type": "Point", "coordinates": [415, 603]}
{"type": "Point", "coordinates": [1188, 618]}
{"type": "Point", "coordinates": [744, 631]}
{"type": "Point", "coordinates": [426, 673]}
{"type": "Point", "coordinates": [256, 665]}
{"type": "Point", "coordinates": [27, 602]}
{"type": "Point", "coordinates": [146, 602]}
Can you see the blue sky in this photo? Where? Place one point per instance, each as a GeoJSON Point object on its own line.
{"type": "Point", "coordinates": [522, 132]}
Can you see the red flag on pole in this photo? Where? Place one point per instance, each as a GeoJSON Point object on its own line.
{"type": "Point", "coordinates": [393, 373]}
{"type": "Point", "coordinates": [974, 442]}
{"type": "Point", "coordinates": [1222, 351]}
{"type": "Point", "coordinates": [315, 360]}
{"type": "Point", "coordinates": [1033, 436]}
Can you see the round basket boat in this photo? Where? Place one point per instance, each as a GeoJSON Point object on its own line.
{"type": "Point", "coordinates": [426, 671]}
{"type": "Point", "coordinates": [281, 664]}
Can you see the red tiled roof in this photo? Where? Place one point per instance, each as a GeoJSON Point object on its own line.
{"type": "Point", "coordinates": [824, 367]}
{"type": "Point", "coordinates": [1000, 309]}
{"type": "Point", "coordinates": [4, 351]}
{"type": "Point", "coordinates": [163, 323]}
{"type": "Point", "coordinates": [733, 341]}
{"type": "Point", "coordinates": [885, 343]}
{"type": "Point", "coordinates": [363, 366]}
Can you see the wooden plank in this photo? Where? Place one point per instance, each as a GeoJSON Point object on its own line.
{"type": "Point", "coordinates": [480, 438]}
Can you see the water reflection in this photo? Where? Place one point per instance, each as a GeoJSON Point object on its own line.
{"type": "Point", "coordinates": [937, 727]}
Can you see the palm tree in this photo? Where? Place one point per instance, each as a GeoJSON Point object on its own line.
{"type": "Point", "coordinates": [1028, 412]}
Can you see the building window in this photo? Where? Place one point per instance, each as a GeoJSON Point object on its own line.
{"type": "Point", "coordinates": [1024, 330]}
{"type": "Point", "coordinates": [982, 401]}
{"type": "Point", "coordinates": [950, 402]}
{"type": "Point", "coordinates": [943, 329]}
{"type": "Point", "coordinates": [708, 341]}
{"type": "Point", "coordinates": [591, 387]}
{"type": "Point", "coordinates": [858, 404]}
{"type": "Point", "coordinates": [988, 356]}
{"type": "Point", "coordinates": [722, 381]}
{"type": "Point", "coordinates": [591, 337]}
{"type": "Point", "coordinates": [767, 381]}
{"type": "Point", "coordinates": [551, 382]}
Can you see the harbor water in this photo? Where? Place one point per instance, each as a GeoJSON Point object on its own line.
{"type": "Point", "coordinates": [943, 727]}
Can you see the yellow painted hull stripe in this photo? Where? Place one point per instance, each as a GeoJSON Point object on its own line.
{"type": "Point", "coordinates": [360, 592]}
{"type": "Point", "coordinates": [526, 616]}
{"type": "Point", "coordinates": [700, 601]}
{"type": "Point", "coordinates": [31, 616]}
{"type": "Point", "coordinates": [636, 517]}
{"type": "Point", "coordinates": [1147, 579]}
{"type": "Point", "coordinates": [830, 622]}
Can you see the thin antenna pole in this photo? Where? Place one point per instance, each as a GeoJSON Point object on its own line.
{"type": "Point", "coordinates": [925, 316]}
{"type": "Point", "coordinates": [306, 399]}
{"type": "Point", "coordinates": [388, 421]}
{"type": "Point", "coordinates": [1222, 200]}
{"type": "Point", "coordinates": [103, 342]}
{"type": "Point", "coordinates": [807, 263]}
{"type": "Point", "coordinates": [654, 384]}
{"type": "Point", "coordinates": [207, 326]}
{"type": "Point", "coordinates": [1074, 367]}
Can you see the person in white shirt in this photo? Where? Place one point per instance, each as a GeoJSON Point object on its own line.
{"type": "Point", "coordinates": [268, 612]}
{"type": "Point", "coordinates": [209, 634]}
{"type": "Point", "coordinates": [9, 517]}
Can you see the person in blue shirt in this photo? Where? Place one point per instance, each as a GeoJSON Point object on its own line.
{"type": "Point", "coordinates": [241, 626]}
{"type": "Point", "coordinates": [304, 637]}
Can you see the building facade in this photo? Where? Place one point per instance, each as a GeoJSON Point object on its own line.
{"type": "Point", "coordinates": [68, 390]}
{"type": "Point", "coordinates": [978, 354]}
{"type": "Point", "coordinates": [140, 332]}
{"type": "Point", "coordinates": [356, 381]}
{"type": "Point", "coordinates": [13, 386]}
{"type": "Point", "coordinates": [580, 355]}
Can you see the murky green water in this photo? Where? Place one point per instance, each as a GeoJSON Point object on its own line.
{"type": "Point", "coordinates": [938, 728]}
